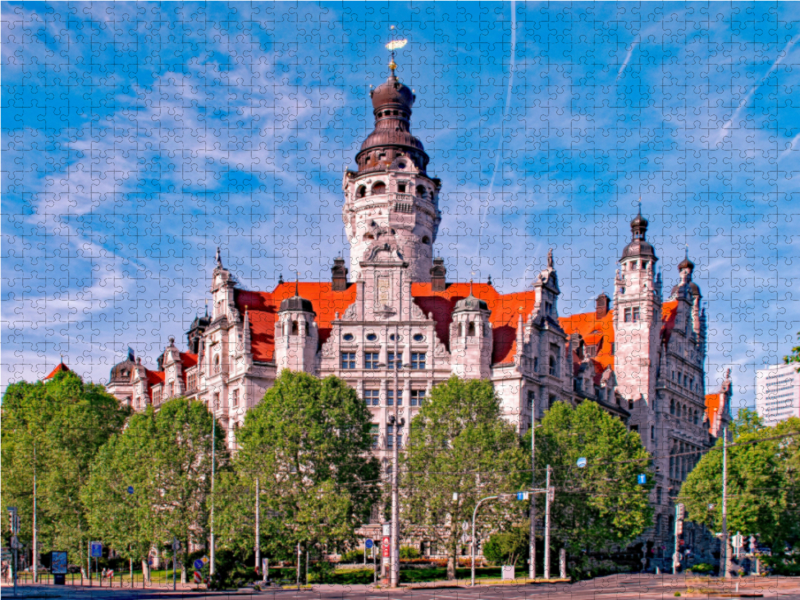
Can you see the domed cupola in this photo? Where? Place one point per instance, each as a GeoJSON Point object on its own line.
{"type": "Point", "coordinates": [121, 372]}
{"type": "Point", "coordinates": [391, 141]}
{"type": "Point", "coordinates": [639, 247]}
{"type": "Point", "coordinates": [296, 334]}
{"type": "Point", "coordinates": [471, 338]}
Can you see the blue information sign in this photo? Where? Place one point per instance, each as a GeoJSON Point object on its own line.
{"type": "Point", "coordinates": [581, 462]}
{"type": "Point", "coordinates": [369, 544]}
{"type": "Point", "coordinates": [641, 479]}
{"type": "Point", "coordinates": [199, 564]}
{"type": "Point", "coordinates": [130, 489]}
{"type": "Point", "coordinates": [96, 550]}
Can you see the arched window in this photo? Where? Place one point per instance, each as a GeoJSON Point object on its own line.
{"type": "Point", "coordinates": [426, 240]}
{"type": "Point", "coordinates": [362, 191]}
{"type": "Point", "coordinates": [216, 364]}
{"type": "Point", "coordinates": [378, 188]}
{"type": "Point", "coordinates": [421, 191]}
{"type": "Point", "coordinates": [471, 329]}
{"type": "Point", "coordinates": [672, 406]}
{"type": "Point", "coordinates": [294, 328]}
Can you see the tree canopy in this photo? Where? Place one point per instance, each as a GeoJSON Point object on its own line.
{"type": "Point", "coordinates": [601, 505]}
{"type": "Point", "coordinates": [56, 428]}
{"type": "Point", "coordinates": [459, 443]}
{"type": "Point", "coordinates": [762, 482]}
{"type": "Point", "coordinates": [309, 444]}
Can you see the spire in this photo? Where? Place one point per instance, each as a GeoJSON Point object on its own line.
{"type": "Point", "coordinates": [550, 258]}
{"type": "Point", "coordinates": [219, 259]}
{"type": "Point", "coordinates": [297, 284]}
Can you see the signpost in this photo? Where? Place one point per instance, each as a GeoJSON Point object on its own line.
{"type": "Point", "coordinates": [641, 479]}
{"type": "Point", "coordinates": [176, 545]}
{"type": "Point", "coordinates": [14, 518]}
{"type": "Point", "coordinates": [522, 495]}
{"type": "Point", "coordinates": [95, 552]}
{"type": "Point", "coordinates": [581, 462]}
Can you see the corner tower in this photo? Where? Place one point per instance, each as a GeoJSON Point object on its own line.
{"type": "Point", "coordinates": [391, 194]}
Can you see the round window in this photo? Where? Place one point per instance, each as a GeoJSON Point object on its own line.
{"type": "Point", "coordinates": [419, 337]}
{"type": "Point", "coordinates": [401, 165]}
{"type": "Point", "coordinates": [394, 337]}
{"type": "Point", "coordinates": [371, 337]}
{"type": "Point", "coordinates": [347, 337]}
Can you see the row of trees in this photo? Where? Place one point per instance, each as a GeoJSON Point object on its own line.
{"type": "Point", "coordinates": [136, 481]}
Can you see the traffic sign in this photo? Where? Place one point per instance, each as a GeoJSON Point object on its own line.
{"type": "Point", "coordinates": [369, 544]}
{"type": "Point", "coordinates": [176, 545]}
{"type": "Point", "coordinates": [130, 489]}
{"type": "Point", "coordinates": [522, 495]}
{"type": "Point", "coordinates": [641, 479]}
{"type": "Point", "coordinates": [96, 550]}
{"type": "Point", "coordinates": [15, 542]}
{"type": "Point", "coordinates": [581, 462]}
{"type": "Point", "coordinates": [199, 564]}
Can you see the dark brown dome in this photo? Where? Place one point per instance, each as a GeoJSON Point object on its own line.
{"type": "Point", "coordinates": [296, 304]}
{"type": "Point", "coordinates": [121, 372]}
{"type": "Point", "coordinates": [686, 264]}
{"type": "Point", "coordinates": [392, 94]}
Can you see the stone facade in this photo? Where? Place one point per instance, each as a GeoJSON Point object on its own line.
{"type": "Point", "coordinates": [399, 328]}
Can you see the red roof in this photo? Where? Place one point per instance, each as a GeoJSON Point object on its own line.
{"type": "Point", "coordinates": [262, 308]}
{"type": "Point", "coordinates": [61, 368]}
{"type": "Point", "coordinates": [595, 332]}
{"type": "Point", "coordinates": [188, 360]}
{"type": "Point", "coordinates": [505, 312]}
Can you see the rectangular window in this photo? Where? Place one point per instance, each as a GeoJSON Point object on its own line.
{"type": "Point", "coordinates": [375, 433]}
{"type": "Point", "coordinates": [371, 360]}
{"type": "Point", "coordinates": [652, 435]}
{"type": "Point", "coordinates": [191, 382]}
{"type": "Point", "coordinates": [418, 360]}
{"type": "Point", "coordinates": [531, 397]}
{"type": "Point", "coordinates": [553, 370]}
{"type": "Point", "coordinates": [390, 397]}
{"type": "Point", "coordinates": [394, 361]}
{"type": "Point", "coordinates": [627, 315]}
{"type": "Point", "coordinates": [372, 397]}
{"type": "Point", "coordinates": [157, 396]}
{"type": "Point", "coordinates": [235, 399]}
{"type": "Point", "coordinates": [658, 495]}
{"type": "Point", "coordinates": [535, 364]}
{"type": "Point", "coordinates": [658, 524]}
{"type": "Point", "coordinates": [348, 360]}
{"type": "Point", "coordinates": [635, 314]}
{"type": "Point", "coordinates": [417, 397]}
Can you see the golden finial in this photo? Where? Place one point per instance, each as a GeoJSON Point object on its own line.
{"type": "Point", "coordinates": [393, 45]}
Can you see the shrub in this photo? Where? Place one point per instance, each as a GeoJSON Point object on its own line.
{"type": "Point", "coordinates": [409, 552]}
{"type": "Point", "coordinates": [355, 556]}
{"type": "Point", "coordinates": [700, 568]}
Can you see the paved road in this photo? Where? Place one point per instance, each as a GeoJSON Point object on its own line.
{"type": "Point", "coordinates": [623, 587]}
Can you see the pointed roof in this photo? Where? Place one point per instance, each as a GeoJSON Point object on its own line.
{"type": "Point", "coordinates": [60, 368]}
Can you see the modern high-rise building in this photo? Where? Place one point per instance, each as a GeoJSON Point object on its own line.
{"type": "Point", "coordinates": [778, 393]}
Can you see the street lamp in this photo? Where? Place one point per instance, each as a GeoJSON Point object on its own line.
{"type": "Point", "coordinates": [212, 561]}
{"type": "Point", "coordinates": [472, 545]}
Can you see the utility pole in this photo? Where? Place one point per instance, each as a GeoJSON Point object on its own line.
{"type": "Point", "coordinates": [35, 538]}
{"type": "Point", "coordinates": [532, 566]}
{"type": "Point", "coordinates": [258, 526]}
{"type": "Point", "coordinates": [547, 525]}
{"type": "Point", "coordinates": [724, 549]}
{"type": "Point", "coordinates": [212, 562]}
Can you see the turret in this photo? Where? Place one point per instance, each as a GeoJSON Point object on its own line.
{"type": "Point", "coordinates": [296, 335]}
{"type": "Point", "coordinates": [471, 338]}
{"type": "Point", "coordinates": [222, 292]}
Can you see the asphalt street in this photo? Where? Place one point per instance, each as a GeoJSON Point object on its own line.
{"type": "Point", "coordinates": [622, 587]}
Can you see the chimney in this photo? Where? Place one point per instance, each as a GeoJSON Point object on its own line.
{"type": "Point", "coordinates": [339, 275]}
{"type": "Point", "coordinates": [438, 273]}
{"type": "Point", "coordinates": [601, 305]}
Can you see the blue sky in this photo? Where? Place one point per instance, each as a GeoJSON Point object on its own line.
{"type": "Point", "coordinates": [139, 137]}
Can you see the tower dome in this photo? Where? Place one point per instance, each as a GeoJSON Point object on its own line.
{"type": "Point", "coordinates": [639, 246]}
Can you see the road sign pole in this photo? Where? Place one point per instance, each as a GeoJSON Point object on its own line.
{"type": "Point", "coordinates": [90, 564]}
{"type": "Point", "coordinates": [532, 565]}
{"type": "Point", "coordinates": [547, 525]}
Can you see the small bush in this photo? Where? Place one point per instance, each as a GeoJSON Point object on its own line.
{"type": "Point", "coordinates": [677, 594]}
{"type": "Point", "coordinates": [701, 568]}
{"type": "Point", "coordinates": [409, 552]}
{"type": "Point", "coordinates": [354, 556]}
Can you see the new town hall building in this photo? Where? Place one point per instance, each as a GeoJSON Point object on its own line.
{"type": "Point", "coordinates": [396, 326]}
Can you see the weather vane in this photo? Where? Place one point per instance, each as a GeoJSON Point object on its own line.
{"type": "Point", "coordinates": [393, 45]}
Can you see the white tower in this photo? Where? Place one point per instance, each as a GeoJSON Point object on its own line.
{"type": "Point", "coordinates": [391, 193]}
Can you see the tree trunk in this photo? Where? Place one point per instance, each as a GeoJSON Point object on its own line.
{"type": "Point", "coordinates": [183, 572]}
{"type": "Point", "coordinates": [146, 570]}
{"type": "Point", "coordinates": [452, 561]}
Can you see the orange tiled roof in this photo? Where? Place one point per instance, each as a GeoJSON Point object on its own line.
{"type": "Point", "coordinates": [669, 311]}
{"type": "Point", "coordinates": [505, 312]}
{"type": "Point", "coordinates": [188, 360]}
{"type": "Point", "coordinates": [60, 368]}
{"type": "Point", "coordinates": [595, 332]}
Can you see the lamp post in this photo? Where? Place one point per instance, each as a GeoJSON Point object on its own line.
{"type": "Point", "coordinates": [532, 567]}
{"type": "Point", "coordinates": [212, 561]}
{"type": "Point", "coordinates": [724, 552]}
{"type": "Point", "coordinates": [472, 544]}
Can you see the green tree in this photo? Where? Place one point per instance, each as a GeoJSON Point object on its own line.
{"type": "Point", "coordinates": [125, 521]}
{"type": "Point", "coordinates": [794, 357]}
{"type": "Point", "coordinates": [601, 506]}
{"type": "Point", "coordinates": [507, 547]}
{"type": "Point", "coordinates": [56, 429]}
{"type": "Point", "coordinates": [459, 443]}
{"type": "Point", "coordinates": [762, 486]}
{"type": "Point", "coordinates": [309, 444]}
{"type": "Point", "coordinates": [166, 457]}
